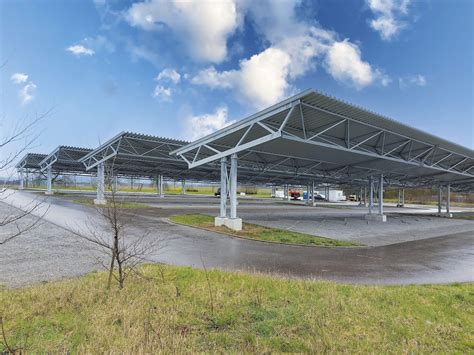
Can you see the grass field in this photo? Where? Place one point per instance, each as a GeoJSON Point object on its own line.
{"type": "Point", "coordinates": [176, 309]}
{"type": "Point", "coordinates": [120, 204]}
{"type": "Point", "coordinates": [253, 231]}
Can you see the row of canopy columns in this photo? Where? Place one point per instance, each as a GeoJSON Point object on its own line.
{"type": "Point", "coordinates": [448, 202]}
{"type": "Point", "coordinates": [228, 193]}
{"type": "Point", "coordinates": [379, 216]}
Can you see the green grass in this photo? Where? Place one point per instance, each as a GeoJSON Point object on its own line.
{"type": "Point", "coordinates": [257, 232]}
{"type": "Point", "coordinates": [170, 310]}
{"type": "Point", "coordinates": [120, 204]}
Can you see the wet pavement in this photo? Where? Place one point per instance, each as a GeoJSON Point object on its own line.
{"type": "Point", "coordinates": [443, 259]}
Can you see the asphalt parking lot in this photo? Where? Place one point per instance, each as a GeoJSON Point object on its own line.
{"type": "Point", "coordinates": [438, 250]}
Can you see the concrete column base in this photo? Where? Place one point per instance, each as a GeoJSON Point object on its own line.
{"type": "Point", "coordinates": [376, 217]}
{"type": "Point", "coordinates": [444, 214]}
{"type": "Point", "coordinates": [100, 202]}
{"type": "Point", "coordinates": [220, 221]}
{"type": "Point", "coordinates": [49, 192]}
{"type": "Point", "coordinates": [233, 223]}
{"type": "Point", "coordinates": [161, 195]}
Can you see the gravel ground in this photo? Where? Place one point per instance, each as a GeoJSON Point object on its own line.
{"type": "Point", "coordinates": [46, 252]}
{"type": "Point", "coordinates": [50, 252]}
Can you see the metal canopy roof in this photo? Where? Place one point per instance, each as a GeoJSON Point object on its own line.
{"type": "Point", "coordinates": [31, 162]}
{"type": "Point", "coordinates": [321, 137]}
{"type": "Point", "coordinates": [143, 155]}
{"type": "Point", "coordinates": [134, 154]}
{"type": "Point", "coordinates": [65, 159]}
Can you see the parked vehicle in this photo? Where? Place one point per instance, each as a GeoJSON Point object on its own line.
{"type": "Point", "coordinates": [353, 198]}
{"type": "Point", "coordinates": [218, 193]}
{"type": "Point", "coordinates": [319, 197]}
{"type": "Point", "coordinates": [295, 195]}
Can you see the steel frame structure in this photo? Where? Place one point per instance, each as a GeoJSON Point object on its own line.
{"type": "Point", "coordinates": [314, 136]}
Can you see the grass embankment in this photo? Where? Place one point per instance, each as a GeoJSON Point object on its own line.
{"type": "Point", "coordinates": [176, 309]}
{"type": "Point", "coordinates": [253, 231]}
{"type": "Point", "coordinates": [120, 204]}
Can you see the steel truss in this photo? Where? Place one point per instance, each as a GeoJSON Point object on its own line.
{"type": "Point", "coordinates": [313, 136]}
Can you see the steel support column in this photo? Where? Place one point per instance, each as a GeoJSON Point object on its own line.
{"type": "Point", "coordinates": [100, 199]}
{"type": "Point", "coordinates": [381, 195]}
{"type": "Point", "coordinates": [22, 178]}
{"type": "Point", "coordinates": [371, 194]}
{"type": "Point", "coordinates": [440, 198]}
{"type": "Point", "coordinates": [223, 210]}
{"type": "Point", "coordinates": [233, 186]}
{"type": "Point", "coordinates": [448, 199]}
{"type": "Point", "coordinates": [49, 181]}
{"type": "Point", "coordinates": [160, 185]}
{"type": "Point", "coordinates": [313, 200]}
{"type": "Point", "coordinates": [183, 187]}
{"type": "Point", "coordinates": [307, 194]}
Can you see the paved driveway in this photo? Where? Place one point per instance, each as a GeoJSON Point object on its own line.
{"type": "Point", "coordinates": [448, 258]}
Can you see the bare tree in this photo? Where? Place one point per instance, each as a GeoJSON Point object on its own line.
{"type": "Point", "coordinates": [14, 143]}
{"type": "Point", "coordinates": [124, 246]}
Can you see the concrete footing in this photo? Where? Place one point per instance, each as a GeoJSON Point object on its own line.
{"type": "Point", "coordinates": [100, 202]}
{"type": "Point", "coordinates": [444, 214]}
{"type": "Point", "coordinates": [219, 221]}
{"type": "Point", "coordinates": [231, 223]}
{"type": "Point", "coordinates": [376, 217]}
{"type": "Point", "coordinates": [49, 193]}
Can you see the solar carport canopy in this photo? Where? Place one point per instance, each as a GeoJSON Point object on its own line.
{"type": "Point", "coordinates": [323, 137]}
{"type": "Point", "coordinates": [31, 162]}
{"type": "Point", "coordinates": [65, 159]}
{"type": "Point", "coordinates": [134, 154]}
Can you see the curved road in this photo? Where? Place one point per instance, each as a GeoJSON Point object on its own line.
{"type": "Point", "coordinates": [437, 260]}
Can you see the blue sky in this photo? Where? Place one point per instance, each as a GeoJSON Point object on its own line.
{"type": "Point", "coordinates": [181, 70]}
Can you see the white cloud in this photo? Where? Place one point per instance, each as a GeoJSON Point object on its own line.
{"type": "Point", "coordinates": [79, 50]}
{"type": "Point", "coordinates": [215, 80]}
{"type": "Point", "coordinates": [203, 26]}
{"type": "Point", "coordinates": [266, 78]}
{"type": "Point", "coordinates": [412, 80]}
{"type": "Point", "coordinates": [389, 15]}
{"type": "Point", "coordinates": [202, 125]}
{"type": "Point", "coordinates": [162, 93]}
{"type": "Point", "coordinates": [169, 75]}
{"type": "Point", "coordinates": [19, 78]}
{"type": "Point", "coordinates": [261, 79]}
{"type": "Point", "coordinates": [26, 93]}
{"type": "Point", "coordinates": [344, 63]}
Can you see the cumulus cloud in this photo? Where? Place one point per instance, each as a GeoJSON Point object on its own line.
{"type": "Point", "coordinates": [19, 78]}
{"type": "Point", "coordinates": [169, 74]}
{"type": "Point", "coordinates": [162, 93]}
{"type": "Point", "coordinates": [203, 26]}
{"type": "Point", "coordinates": [266, 77]}
{"type": "Point", "coordinates": [344, 63]}
{"type": "Point", "coordinates": [202, 125]}
{"type": "Point", "coordinates": [412, 80]}
{"type": "Point", "coordinates": [261, 79]}
{"type": "Point", "coordinates": [80, 50]}
{"type": "Point", "coordinates": [389, 16]}
{"type": "Point", "coordinates": [26, 93]}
